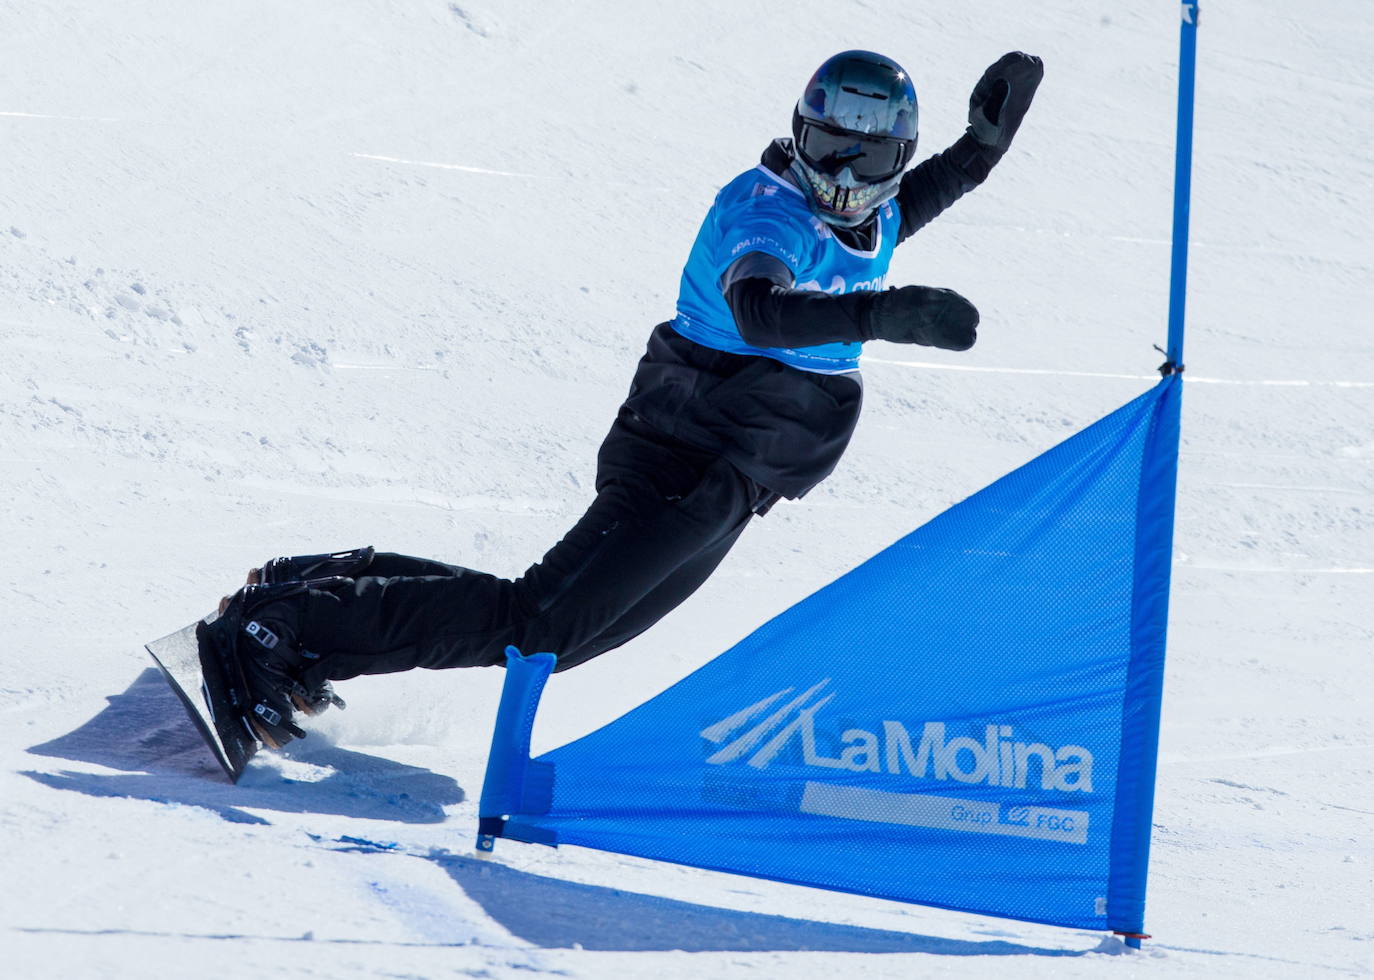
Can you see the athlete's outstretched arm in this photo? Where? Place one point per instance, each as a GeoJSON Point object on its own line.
{"type": "Point", "coordinates": [996, 108]}
{"type": "Point", "coordinates": [770, 313]}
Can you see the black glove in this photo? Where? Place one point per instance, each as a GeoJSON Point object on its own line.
{"type": "Point", "coordinates": [921, 315]}
{"type": "Point", "coordinates": [1002, 96]}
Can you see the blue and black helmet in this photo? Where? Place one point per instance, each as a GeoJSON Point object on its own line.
{"type": "Point", "coordinates": [854, 132]}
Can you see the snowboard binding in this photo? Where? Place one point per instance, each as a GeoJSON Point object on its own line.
{"type": "Point", "coordinates": [338, 564]}
{"type": "Point", "coordinates": [253, 659]}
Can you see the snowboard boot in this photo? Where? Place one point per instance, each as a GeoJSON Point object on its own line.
{"type": "Point", "coordinates": [340, 564]}
{"type": "Point", "coordinates": [258, 638]}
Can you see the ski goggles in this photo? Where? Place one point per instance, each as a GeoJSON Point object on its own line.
{"type": "Point", "coordinates": [846, 205]}
{"type": "Point", "coordinates": [869, 158]}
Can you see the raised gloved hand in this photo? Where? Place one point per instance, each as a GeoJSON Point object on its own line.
{"type": "Point", "coordinates": [1002, 96]}
{"type": "Point", "coordinates": [921, 315]}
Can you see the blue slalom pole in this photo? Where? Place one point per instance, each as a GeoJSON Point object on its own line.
{"type": "Point", "coordinates": [1183, 179]}
{"type": "Point", "coordinates": [1178, 279]}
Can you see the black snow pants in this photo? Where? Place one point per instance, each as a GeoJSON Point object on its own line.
{"type": "Point", "coordinates": [664, 517]}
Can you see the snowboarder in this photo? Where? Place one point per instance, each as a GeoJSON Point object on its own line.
{"type": "Point", "coordinates": [748, 395]}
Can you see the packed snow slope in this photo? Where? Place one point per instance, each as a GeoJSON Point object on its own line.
{"type": "Point", "coordinates": [278, 278]}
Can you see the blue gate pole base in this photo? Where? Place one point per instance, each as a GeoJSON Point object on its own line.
{"type": "Point", "coordinates": [514, 784]}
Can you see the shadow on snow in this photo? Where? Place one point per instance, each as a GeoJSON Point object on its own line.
{"type": "Point", "coordinates": [553, 914]}
{"type": "Point", "coordinates": [145, 733]}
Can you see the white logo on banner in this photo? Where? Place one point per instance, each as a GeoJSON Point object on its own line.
{"type": "Point", "coordinates": [997, 759]}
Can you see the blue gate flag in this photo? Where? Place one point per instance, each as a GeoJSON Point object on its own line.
{"type": "Point", "coordinates": [968, 720]}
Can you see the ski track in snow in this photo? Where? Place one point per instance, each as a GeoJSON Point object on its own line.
{"type": "Point", "coordinates": [448, 166]}
{"type": "Point", "coordinates": [228, 335]}
{"type": "Point", "coordinates": [1274, 569]}
{"type": "Point", "coordinates": [463, 168]}
{"type": "Point", "coordinates": [411, 497]}
{"type": "Point", "coordinates": [44, 115]}
{"type": "Point", "coordinates": [1051, 372]}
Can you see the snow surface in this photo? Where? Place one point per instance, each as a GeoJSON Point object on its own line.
{"type": "Point", "coordinates": [282, 277]}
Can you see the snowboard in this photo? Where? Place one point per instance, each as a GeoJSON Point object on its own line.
{"type": "Point", "coordinates": [197, 673]}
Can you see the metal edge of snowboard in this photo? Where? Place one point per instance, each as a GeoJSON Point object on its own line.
{"type": "Point", "coordinates": [200, 711]}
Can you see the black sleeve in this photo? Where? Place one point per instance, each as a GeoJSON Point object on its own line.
{"type": "Point", "coordinates": [934, 185]}
{"type": "Point", "coordinates": [769, 313]}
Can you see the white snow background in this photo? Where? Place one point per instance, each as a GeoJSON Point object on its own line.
{"type": "Point", "coordinates": [286, 277]}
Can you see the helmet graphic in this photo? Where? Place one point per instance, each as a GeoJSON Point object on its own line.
{"type": "Point", "coordinates": [854, 132]}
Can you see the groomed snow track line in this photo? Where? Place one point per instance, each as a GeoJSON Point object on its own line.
{"type": "Point", "coordinates": [1055, 372]}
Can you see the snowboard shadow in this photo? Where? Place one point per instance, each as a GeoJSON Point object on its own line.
{"type": "Point", "coordinates": [144, 733]}
{"type": "Point", "coordinates": [556, 914]}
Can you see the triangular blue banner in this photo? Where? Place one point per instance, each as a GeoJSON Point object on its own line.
{"type": "Point", "coordinates": [967, 720]}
